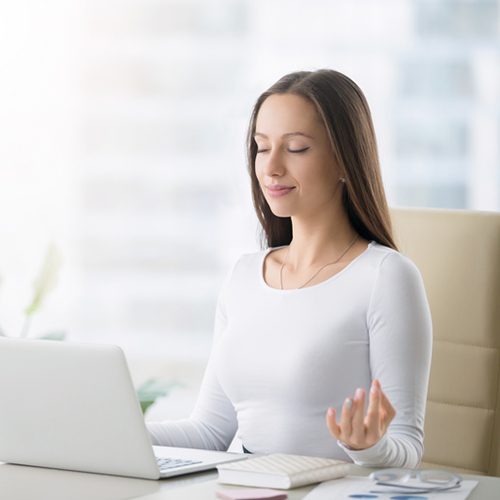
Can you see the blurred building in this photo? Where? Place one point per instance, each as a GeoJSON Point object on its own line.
{"type": "Point", "coordinates": [153, 202]}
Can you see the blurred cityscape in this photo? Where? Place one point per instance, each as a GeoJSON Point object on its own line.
{"type": "Point", "coordinates": [125, 124]}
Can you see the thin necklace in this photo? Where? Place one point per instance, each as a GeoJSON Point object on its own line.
{"type": "Point", "coordinates": [321, 268]}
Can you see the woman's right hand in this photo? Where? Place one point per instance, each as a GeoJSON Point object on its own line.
{"type": "Point", "coordinates": [355, 430]}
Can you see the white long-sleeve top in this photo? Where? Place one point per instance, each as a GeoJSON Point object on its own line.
{"type": "Point", "coordinates": [280, 358]}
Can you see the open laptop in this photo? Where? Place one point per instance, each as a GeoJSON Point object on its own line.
{"type": "Point", "coordinates": [73, 406]}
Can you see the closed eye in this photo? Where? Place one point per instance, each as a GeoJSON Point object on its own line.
{"type": "Point", "coordinates": [303, 150]}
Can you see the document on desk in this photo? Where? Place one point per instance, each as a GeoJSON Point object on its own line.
{"type": "Point", "coordinates": [350, 487]}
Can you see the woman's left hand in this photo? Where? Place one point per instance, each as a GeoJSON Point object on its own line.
{"type": "Point", "coordinates": [355, 430]}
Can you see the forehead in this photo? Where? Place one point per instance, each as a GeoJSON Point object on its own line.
{"type": "Point", "coordinates": [283, 113]}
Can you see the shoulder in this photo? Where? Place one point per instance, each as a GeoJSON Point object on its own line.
{"type": "Point", "coordinates": [247, 265]}
{"type": "Point", "coordinates": [397, 279]}
{"type": "Point", "coordinates": [390, 262]}
{"type": "Point", "coordinates": [250, 260]}
{"type": "Point", "coordinates": [253, 261]}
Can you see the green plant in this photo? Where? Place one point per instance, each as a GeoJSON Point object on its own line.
{"type": "Point", "coordinates": [152, 389]}
{"type": "Point", "coordinates": [43, 285]}
{"type": "Point", "coordinates": [45, 282]}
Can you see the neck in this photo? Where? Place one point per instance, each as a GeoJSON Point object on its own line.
{"type": "Point", "coordinates": [319, 240]}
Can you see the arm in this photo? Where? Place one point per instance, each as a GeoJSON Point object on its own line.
{"type": "Point", "coordinates": [400, 330]}
{"type": "Point", "coordinates": [212, 424]}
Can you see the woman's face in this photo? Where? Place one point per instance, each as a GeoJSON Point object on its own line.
{"type": "Point", "coordinates": [295, 164]}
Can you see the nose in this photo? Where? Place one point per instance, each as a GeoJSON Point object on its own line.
{"type": "Point", "coordinates": [273, 164]}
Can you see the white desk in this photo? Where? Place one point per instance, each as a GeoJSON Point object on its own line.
{"type": "Point", "coordinates": [32, 483]}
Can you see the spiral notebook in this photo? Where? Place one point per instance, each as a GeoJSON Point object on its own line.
{"type": "Point", "coordinates": [282, 471]}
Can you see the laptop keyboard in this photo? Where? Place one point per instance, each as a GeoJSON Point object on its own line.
{"type": "Point", "coordinates": [167, 463]}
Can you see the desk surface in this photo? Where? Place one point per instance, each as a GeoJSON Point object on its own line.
{"type": "Point", "coordinates": [33, 483]}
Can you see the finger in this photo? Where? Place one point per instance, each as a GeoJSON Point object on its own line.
{"type": "Point", "coordinates": [345, 419]}
{"type": "Point", "coordinates": [387, 409]}
{"type": "Point", "coordinates": [373, 423]}
{"type": "Point", "coordinates": [358, 414]}
{"type": "Point", "coordinates": [331, 423]}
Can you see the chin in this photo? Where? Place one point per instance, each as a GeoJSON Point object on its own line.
{"type": "Point", "coordinates": [280, 211]}
{"type": "Point", "coordinates": [282, 215]}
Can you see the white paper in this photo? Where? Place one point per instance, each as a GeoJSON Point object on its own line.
{"type": "Point", "coordinates": [340, 489]}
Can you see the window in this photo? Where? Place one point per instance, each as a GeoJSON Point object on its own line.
{"type": "Point", "coordinates": [123, 139]}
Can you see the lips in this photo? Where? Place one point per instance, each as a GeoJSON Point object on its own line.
{"type": "Point", "coordinates": [279, 190]}
{"type": "Point", "coordinates": [278, 186]}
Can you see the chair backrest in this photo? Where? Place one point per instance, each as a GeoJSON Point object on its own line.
{"type": "Point", "coordinates": [458, 254]}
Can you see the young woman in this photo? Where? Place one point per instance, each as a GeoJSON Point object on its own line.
{"type": "Point", "coordinates": [322, 340]}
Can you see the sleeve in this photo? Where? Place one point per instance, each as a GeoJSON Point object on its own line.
{"type": "Point", "coordinates": [212, 423]}
{"type": "Point", "coordinates": [400, 331]}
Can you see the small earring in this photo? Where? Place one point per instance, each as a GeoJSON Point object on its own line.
{"type": "Point", "coordinates": [342, 179]}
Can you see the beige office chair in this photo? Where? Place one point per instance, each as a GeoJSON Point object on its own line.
{"type": "Point", "coordinates": [458, 254]}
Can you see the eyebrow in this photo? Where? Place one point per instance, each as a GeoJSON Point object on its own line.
{"type": "Point", "coordinates": [289, 134]}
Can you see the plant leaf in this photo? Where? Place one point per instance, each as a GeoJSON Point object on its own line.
{"type": "Point", "coordinates": [152, 389]}
{"type": "Point", "coordinates": [56, 335]}
{"type": "Point", "coordinates": [47, 278]}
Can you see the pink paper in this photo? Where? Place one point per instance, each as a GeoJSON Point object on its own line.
{"type": "Point", "coordinates": [251, 494]}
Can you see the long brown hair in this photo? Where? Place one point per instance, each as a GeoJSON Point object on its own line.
{"type": "Point", "coordinates": [346, 116]}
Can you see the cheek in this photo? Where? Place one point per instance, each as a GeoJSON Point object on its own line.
{"type": "Point", "coordinates": [327, 171]}
{"type": "Point", "coordinates": [320, 180]}
{"type": "Point", "coordinates": [330, 177]}
{"type": "Point", "coordinates": [258, 170]}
